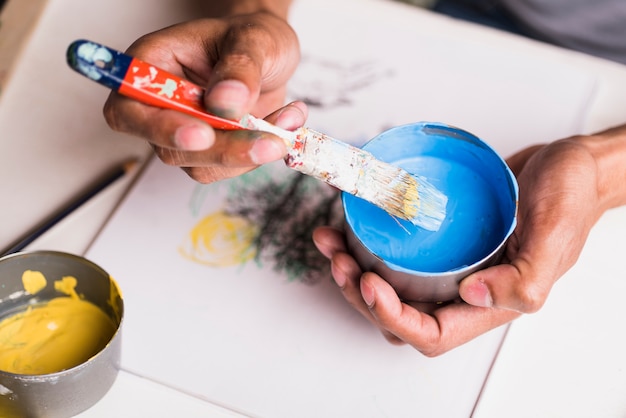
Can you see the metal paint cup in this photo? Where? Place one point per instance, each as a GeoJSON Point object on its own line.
{"type": "Point", "coordinates": [482, 192]}
{"type": "Point", "coordinates": [68, 392]}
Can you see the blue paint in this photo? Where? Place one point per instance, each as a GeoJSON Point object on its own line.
{"type": "Point", "coordinates": [482, 201]}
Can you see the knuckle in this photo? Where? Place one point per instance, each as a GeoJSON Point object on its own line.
{"type": "Point", "coordinates": [256, 31]}
{"type": "Point", "coordinates": [201, 175]}
{"type": "Point", "coordinates": [226, 161]}
{"type": "Point", "coordinates": [239, 60]}
{"type": "Point", "coordinates": [530, 298]}
{"type": "Point", "coordinates": [392, 339]}
{"type": "Point", "coordinates": [169, 156]}
{"type": "Point", "coordinates": [124, 115]}
{"type": "Point", "coordinates": [432, 348]}
{"type": "Point", "coordinates": [110, 115]}
{"type": "Point", "coordinates": [430, 353]}
{"type": "Point", "coordinates": [207, 175]}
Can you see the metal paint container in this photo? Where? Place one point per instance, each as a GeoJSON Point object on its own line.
{"type": "Point", "coordinates": [71, 391]}
{"type": "Point", "coordinates": [427, 266]}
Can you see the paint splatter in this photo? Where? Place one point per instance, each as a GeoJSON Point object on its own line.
{"type": "Point", "coordinates": [268, 219]}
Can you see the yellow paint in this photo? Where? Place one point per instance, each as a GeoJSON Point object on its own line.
{"type": "Point", "coordinates": [53, 336]}
{"type": "Point", "coordinates": [221, 240]}
{"type": "Point", "coordinates": [115, 295]}
{"type": "Point", "coordinates": [33, 281]}
{"type": "Point", "coordinates": [67, 286]}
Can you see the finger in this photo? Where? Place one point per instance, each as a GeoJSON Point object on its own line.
{"type": "Point", "coordinates": [252, 57]}
{"type": "Point", "coordinates": [329, 241]}
{"type": "Point", "coordinates": [207, 175]}
{"type": "Point", "coordinates": [163, 128]}
{"type": "Point", "coordinates": [208, 167]}
{"type": "Point", "coordinates": [553, 222]}
{"type": "Point", "coordinates": [531, 266]}
{"type": "Point", "coordinates": [231, 149]}
{"type": "Point", "coordinates": [386, 307]}
{"type": "Point", "coordinates": [433, 335]}
{"type": "Point", "coordinates": [347, 274]}
{"type": "Point", "coordinates": [519, 286]}
{"type": "Point", "coordinates": [232, 98]}
{"type": "Point", "coordinates": [236, 149]}
{"type": "Point", "coordinates": [517, 161]}
{"type": "Point", "coordinates": [290, 117]}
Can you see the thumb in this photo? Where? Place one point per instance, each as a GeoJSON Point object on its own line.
{"type": "Point", "coordinates": [233, 96]}
{"type": "Point", "coordinates": [256, 57]}
{"type": "Point", "coordinates": [513, 286]}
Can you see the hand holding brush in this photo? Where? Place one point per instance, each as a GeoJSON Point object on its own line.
{"type": "Point", "coordinates": [350, 169]}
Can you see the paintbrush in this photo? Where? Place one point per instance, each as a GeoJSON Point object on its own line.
{"type": "Point", "coordinates": [348, 168]}
{"type": "Point", "coordinates": [71, 207]}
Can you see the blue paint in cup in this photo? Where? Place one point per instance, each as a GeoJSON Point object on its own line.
{"type": "Point", "coordinates": [481, 214]}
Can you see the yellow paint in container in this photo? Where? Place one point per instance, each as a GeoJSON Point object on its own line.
{"type": "Point", "coordinates": [60, 334]}
{"type": "Point", "coordinates": [53, 336]}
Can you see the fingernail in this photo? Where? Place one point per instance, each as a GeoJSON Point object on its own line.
{"type": "Point", "coordinates": [340, 280]}
{"type": "Point", "coordinates": [289, 118]}
{"type": "Point", "coordinates": [194, 137]}
{"type": "Point", "coordinates": [265, 150]}
{"type": "Point", "coordinates": [477, 294]}
{"type": "Point", "coordinates": [368, 294]}
{"type": "Point", "coordinates": [227, 98]}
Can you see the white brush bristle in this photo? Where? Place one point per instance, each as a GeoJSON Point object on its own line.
{"type": "Point", "coordinates": [406, 196]}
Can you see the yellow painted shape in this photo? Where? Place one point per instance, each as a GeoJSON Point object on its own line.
{"type": "Point", "coordinates": [221, 240]}
{"type": "Point", "coordinates": [33, 281]}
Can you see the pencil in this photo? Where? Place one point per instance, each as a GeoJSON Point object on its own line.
{"type": "Point", "coordinates": [83, 198]}
{"type": "Point", "coordinates": [348, 168]}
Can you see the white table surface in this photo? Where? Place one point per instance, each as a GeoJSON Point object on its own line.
{"type": "Point", "coordinates": [567, 360]}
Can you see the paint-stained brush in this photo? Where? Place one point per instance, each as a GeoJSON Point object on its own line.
{"type": "Point", "coordinates": [348, 168]}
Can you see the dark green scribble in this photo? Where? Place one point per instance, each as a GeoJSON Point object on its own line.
{"type": "Point", "coordinates": [286, 211]}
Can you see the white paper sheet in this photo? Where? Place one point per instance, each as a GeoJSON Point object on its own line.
{"type": "Point", "coordinates": [577, 337]}
{"type": "Point", "coordinates": [264, 342]}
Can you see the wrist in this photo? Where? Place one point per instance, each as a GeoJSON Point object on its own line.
{"type": "Point", "coordinates": [608, 149]}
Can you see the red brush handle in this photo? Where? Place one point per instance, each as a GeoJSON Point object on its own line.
{"type": "Point", "coordinates": [141, 81]}
{"type": "Point", "coordinates": [154, 86]}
